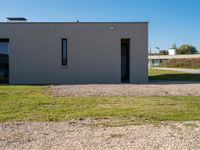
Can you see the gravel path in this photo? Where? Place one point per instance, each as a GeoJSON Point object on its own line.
{"type": "Point", "coordinates": [153, 89]}
{"type": "Point", "coordinates": [194, 71]}
{"type": "Point", "coordinates": [65, 136]}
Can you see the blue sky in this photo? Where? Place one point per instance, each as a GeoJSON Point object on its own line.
{"type": "Point", "coordinates": [171, 21]}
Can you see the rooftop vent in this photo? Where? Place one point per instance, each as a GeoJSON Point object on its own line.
{"type": "Point", "coordinates": [16, 19]}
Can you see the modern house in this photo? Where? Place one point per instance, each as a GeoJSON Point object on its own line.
{"type": "Point", "coordinates": [73, 52]}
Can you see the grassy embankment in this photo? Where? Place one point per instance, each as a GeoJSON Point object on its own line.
{"type": "Point", "coordinates": [193, 63]}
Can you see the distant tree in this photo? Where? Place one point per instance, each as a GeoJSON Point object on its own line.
{"type": "Point", "coordinates": [186, 49]}
{"type": "Point", "coordinates": [174, 46]}
{"type": "Point", "coordinates": [150, 52]}
{"type": "Point", "coordinates": [163, 52]}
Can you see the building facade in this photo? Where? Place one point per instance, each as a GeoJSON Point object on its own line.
{"type": "Point", "coordinates": [73, 53]}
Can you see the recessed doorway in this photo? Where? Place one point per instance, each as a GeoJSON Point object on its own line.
{"type": "Point", "coordinates": [125, 60]}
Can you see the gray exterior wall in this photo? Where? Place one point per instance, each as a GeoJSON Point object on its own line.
{"type": "Point", "coordinates": [94, 52]}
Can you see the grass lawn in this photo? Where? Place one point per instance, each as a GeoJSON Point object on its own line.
{"type": "Point", "coordinates": [32, 103]}
{"type": "Point", "coordinates": [155, 74]}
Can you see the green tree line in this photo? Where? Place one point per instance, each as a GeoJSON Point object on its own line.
{"type": "Point", "coordinates": [183, 49]}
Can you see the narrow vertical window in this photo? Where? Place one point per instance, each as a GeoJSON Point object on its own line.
{"type": "Point", "coordinates": [4, 61]}
{"type": "Point", "coordinates": [64, 52]}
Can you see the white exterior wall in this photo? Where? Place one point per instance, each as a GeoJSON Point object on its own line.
{"type": "Point", "coordinates": [94, 52]}
{"type": "Point", "coordinates": [172, 52]}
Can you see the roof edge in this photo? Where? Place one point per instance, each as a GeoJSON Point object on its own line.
{"type": "Point", "coordinates": [145, 22]}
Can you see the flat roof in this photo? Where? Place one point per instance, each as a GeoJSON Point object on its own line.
{"type": "Point", "coordinates": [16, 19]}
{"type": "Point", "coordinates": [73, 22]}
{"type": "Point", "coordinates": [173, 56]}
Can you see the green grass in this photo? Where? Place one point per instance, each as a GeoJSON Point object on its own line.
{"type": "Point", "coordinates": [155, 74]}
{"type": "Point", "coordinates": [32, 103]}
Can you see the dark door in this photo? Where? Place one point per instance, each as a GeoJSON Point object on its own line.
{"type": "Point", "coordinates": [125, 60]}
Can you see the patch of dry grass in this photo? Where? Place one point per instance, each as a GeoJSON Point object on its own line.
{"type": "Point", "coordinates": [182, 63]}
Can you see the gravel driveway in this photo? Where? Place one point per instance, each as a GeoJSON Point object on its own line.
{"type": "Point", "coordinates": [65, 136]}
{"type": "Point", "coordinates": [152, 89]}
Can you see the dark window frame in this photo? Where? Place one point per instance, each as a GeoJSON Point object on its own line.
{"type": "Point", "coordinates": [4, 62]}
{"type": "Point", "coordinates": [64, 51]}
{"type": "Point", "coordinates": [4, 40]}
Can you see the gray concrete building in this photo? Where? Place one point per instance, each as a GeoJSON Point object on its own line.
{"type": "Point", "coordinates": [73, 52]}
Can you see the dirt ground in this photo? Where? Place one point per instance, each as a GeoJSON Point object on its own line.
{"type": "Point", "coordinates": [65, 136]}
{"type": "Point", "coordinates": [151, 89]}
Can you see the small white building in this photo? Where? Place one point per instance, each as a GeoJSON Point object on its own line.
{"type": "Point", "coordinates": [172, 51]}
